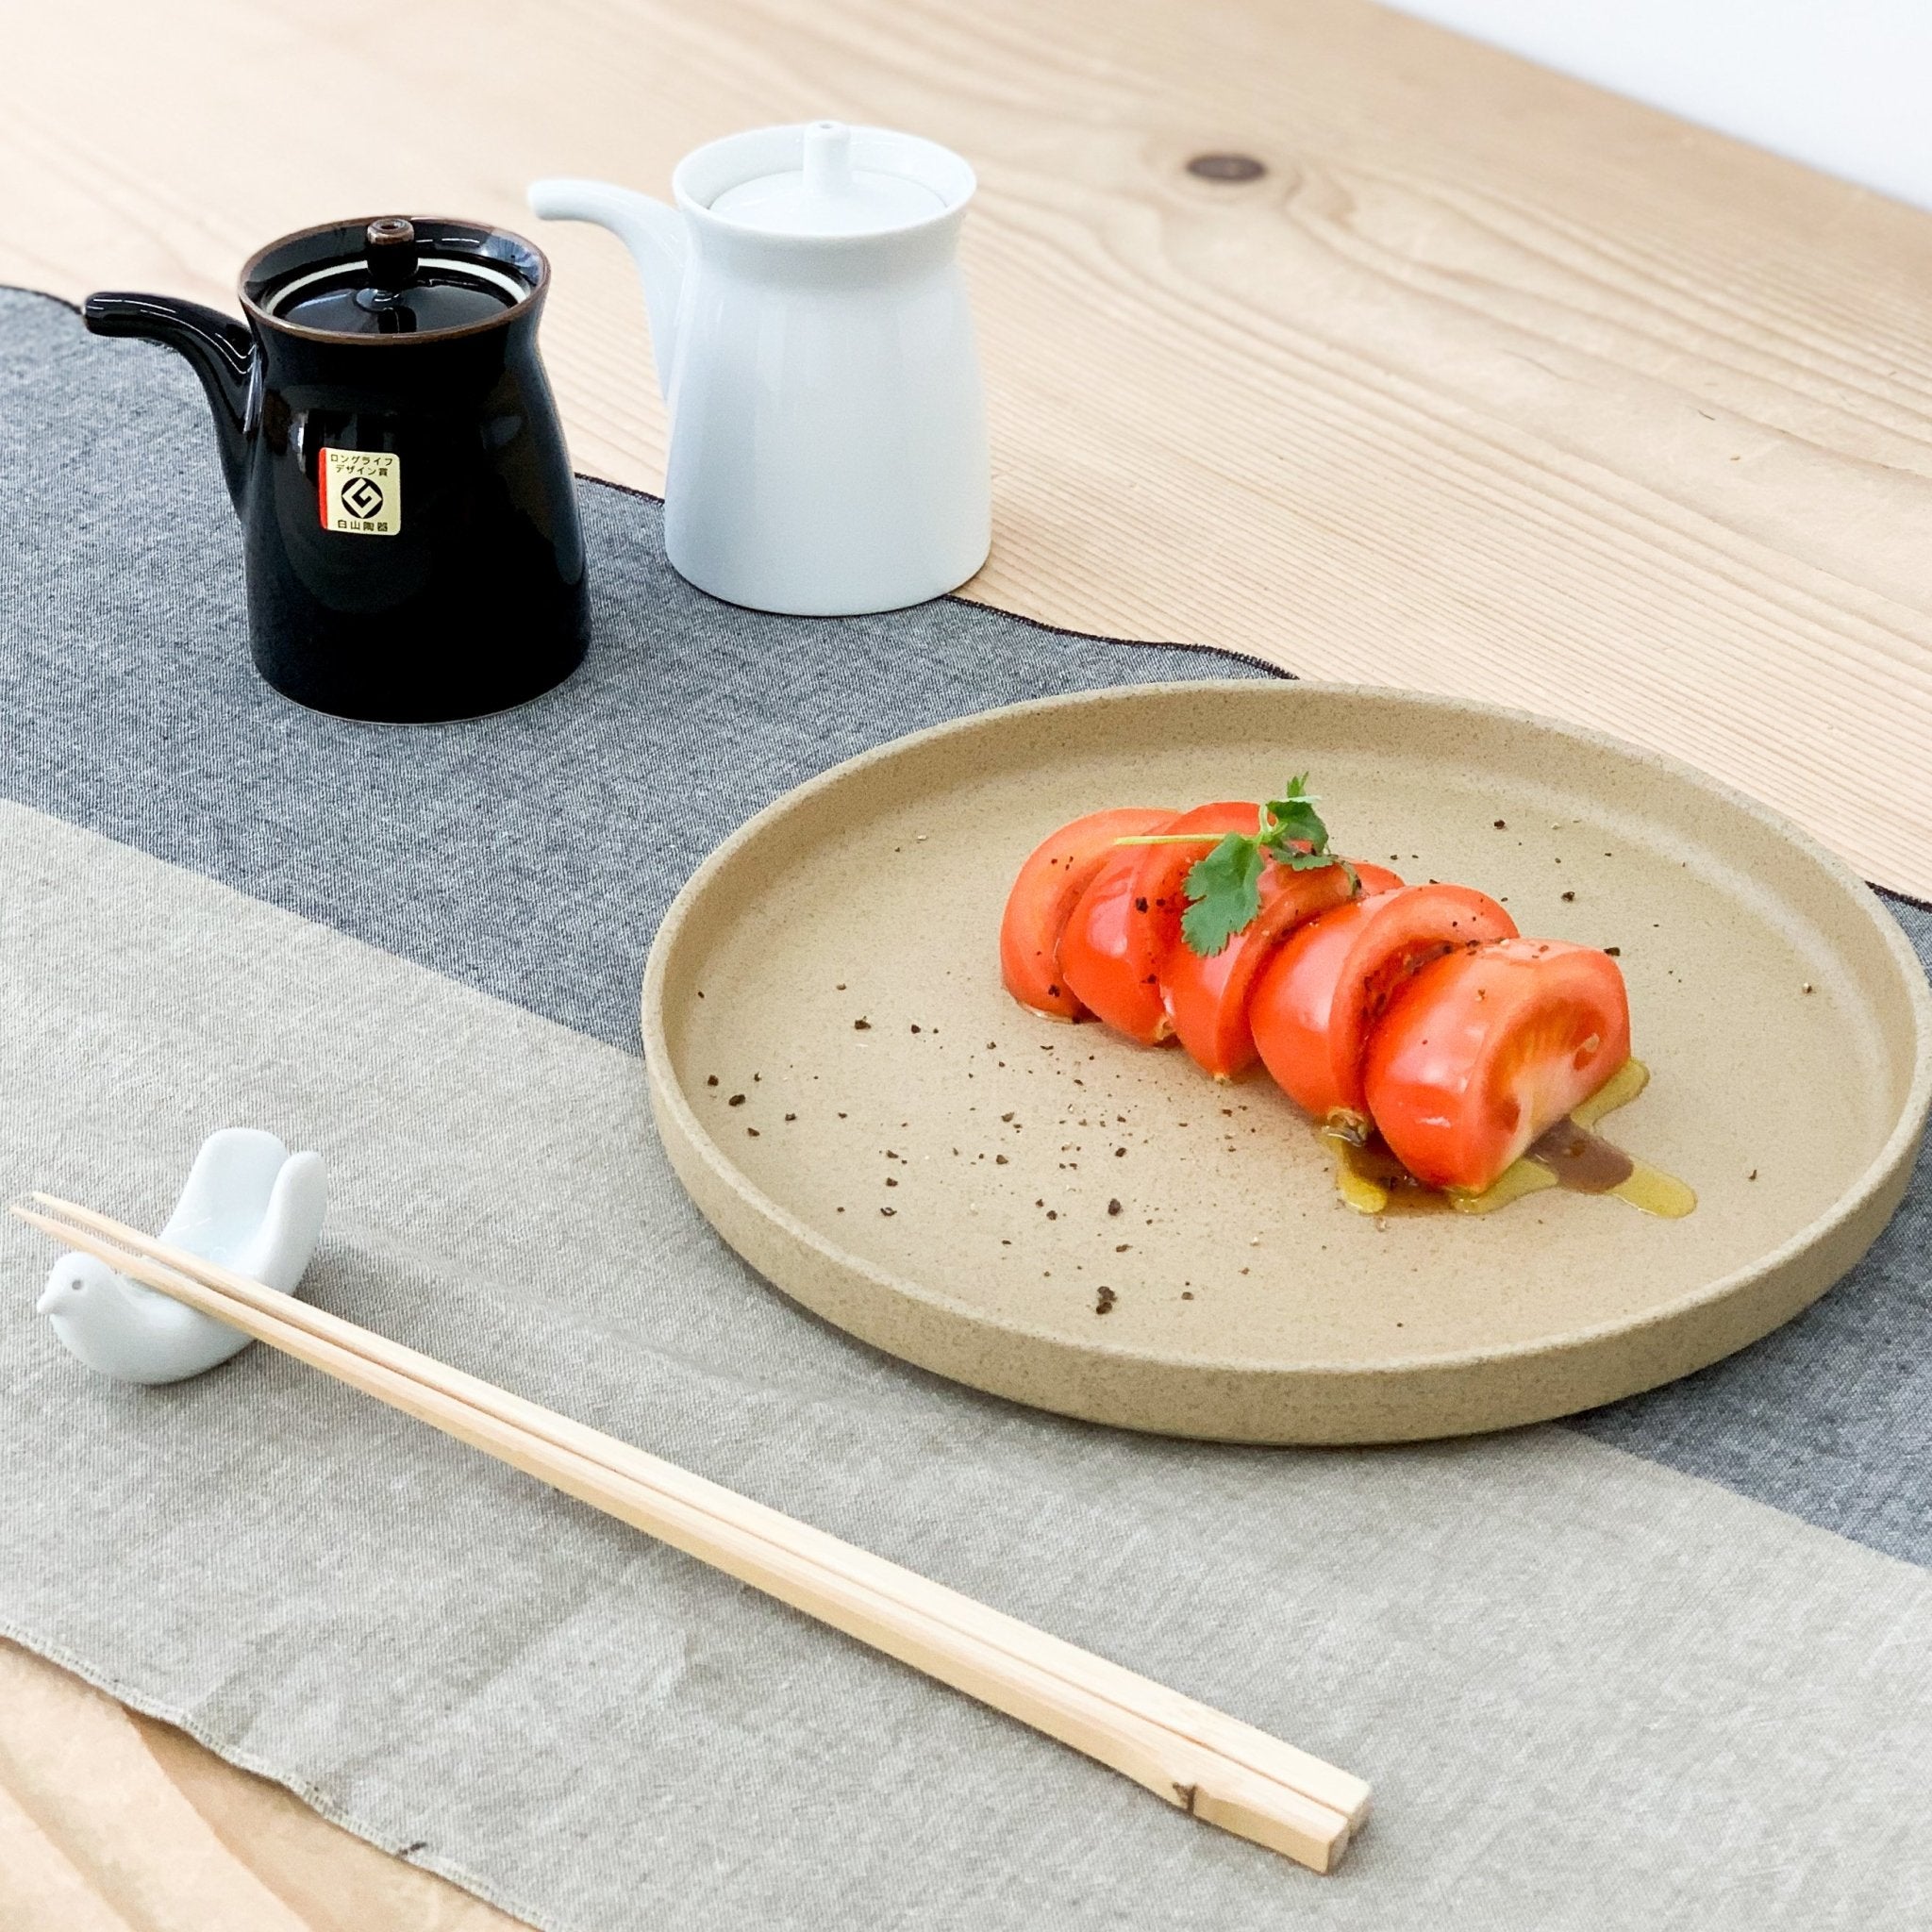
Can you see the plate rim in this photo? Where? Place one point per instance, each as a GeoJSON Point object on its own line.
{"type": "Point", "coordinates": [1883, 1169]}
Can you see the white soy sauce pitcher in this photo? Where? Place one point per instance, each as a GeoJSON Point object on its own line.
{"type": "Point", "coordinates": [828, 449]}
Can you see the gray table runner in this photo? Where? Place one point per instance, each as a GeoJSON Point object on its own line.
{"type": "Point", "coordinates": [1667, 1666]}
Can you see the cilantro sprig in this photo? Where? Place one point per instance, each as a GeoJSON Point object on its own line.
{"type": "Point", "coordinates": [1225, 888]}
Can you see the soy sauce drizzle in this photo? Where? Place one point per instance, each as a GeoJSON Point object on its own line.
{"type": "Point", "coordinates": [1570, 1154]}
{"type": "Point", "coordinates": [1581, 1160]}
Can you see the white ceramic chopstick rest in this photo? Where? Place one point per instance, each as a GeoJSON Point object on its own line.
{"type": "Point", "coordinates": [251, 1206]}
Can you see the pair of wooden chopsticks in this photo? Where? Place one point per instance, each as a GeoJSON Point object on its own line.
{"type": "Point", "coordinates": [1198, 1758]}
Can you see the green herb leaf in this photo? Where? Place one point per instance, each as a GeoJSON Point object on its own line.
{"type": "Point", "coordinates": [1225, 893]}
{"type": "Point", "coordinates": [1314, 862]}
{"type": "Point", "coordinates": [1224, 888]}
{"type": "Point", "coordinates": [1292, 820]}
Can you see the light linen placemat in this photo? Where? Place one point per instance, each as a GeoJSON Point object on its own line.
{"type": "Point", "coordinates": [1667, 1667]}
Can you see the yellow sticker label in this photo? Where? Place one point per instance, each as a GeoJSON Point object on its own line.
{"type": "Point", "coordinates": [361, 491]}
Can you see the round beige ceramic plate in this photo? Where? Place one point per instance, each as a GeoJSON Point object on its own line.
{"type": "Point", "coordinates": [867, 1118]}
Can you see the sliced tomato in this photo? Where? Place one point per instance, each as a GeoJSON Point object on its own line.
{"type": "Point", "coordinates": [1123, 923]}
{"type": "Point", "coordinates": [1318, 999]}
{"type": "Point", "coordinates": [1480, 1052]}
{"type": "Point", "coordinates": [1402, 933]}
{"type": "Point", "coordinates": [1061, 868]}
{"type": "Point", "coordinates": [1289, 1011]}
{"type": "Point", "coordinates": [1102, 958]}
{"type": "Point", "coordinates": [1375, 878]}
{"type": "Point", "coordinates": [1207, 998]}
{"type": "Point", "coordinates": [1163, 875]}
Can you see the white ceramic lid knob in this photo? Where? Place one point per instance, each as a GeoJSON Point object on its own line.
{"type": "Point", "coordinates": [825, 195]}
{"type": "Point", "coordinates": [828, 160]}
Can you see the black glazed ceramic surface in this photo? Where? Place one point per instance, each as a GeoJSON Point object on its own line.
{"type": "Point", "coordinates": [393, 451]}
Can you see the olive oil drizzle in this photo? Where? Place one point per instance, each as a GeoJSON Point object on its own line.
{"type": "Point", "coordinates": [1571, 1155]}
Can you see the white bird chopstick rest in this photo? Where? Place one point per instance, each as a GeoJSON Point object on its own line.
{"type": "Point", "coordinates": [251, 1206]}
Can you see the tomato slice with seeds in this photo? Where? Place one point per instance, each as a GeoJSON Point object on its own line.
{"type": "Point", "coordinates": [1123, 924]}
{"type": "Point", "coordinates": [1207, 998]}
{"type": "Point", "coordinates": [1480, 1052]}
{"type": "Point", "coordinates": [1403, 933]}
{"type": "Point", "coordinates": [1049, 885]}
{"type": "Point", "coordinates": [1318, 999]}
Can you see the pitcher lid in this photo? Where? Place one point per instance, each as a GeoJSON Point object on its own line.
{"type": "Point", "coordinates": [392, 277]}
{"type": "Point", "coordinates": [825, 195]}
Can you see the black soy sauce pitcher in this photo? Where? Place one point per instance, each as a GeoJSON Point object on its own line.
{"type": "Point", "coordinates": [410, 521]}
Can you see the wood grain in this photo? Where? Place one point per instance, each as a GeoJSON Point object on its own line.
{"type": "Point", "coordinates": [1490, 384]}
{"type": "Point", "coordinates": [114, 1823]}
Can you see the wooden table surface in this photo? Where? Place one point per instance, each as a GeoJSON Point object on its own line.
{"type": "Point", "coordinates": [1488, 384]}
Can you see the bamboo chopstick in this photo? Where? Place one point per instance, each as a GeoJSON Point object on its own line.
{"type": "Point", "coordinates": [1222, 1770]}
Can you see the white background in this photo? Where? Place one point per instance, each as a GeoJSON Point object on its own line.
{"type": "Point", "coordinates": [1846, 85]}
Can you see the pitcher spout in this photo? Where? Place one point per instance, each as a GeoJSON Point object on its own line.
{"type": "Point", "coordinates": [219, 349]}
{"type": "Point", "coordinates": [652, 231]}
